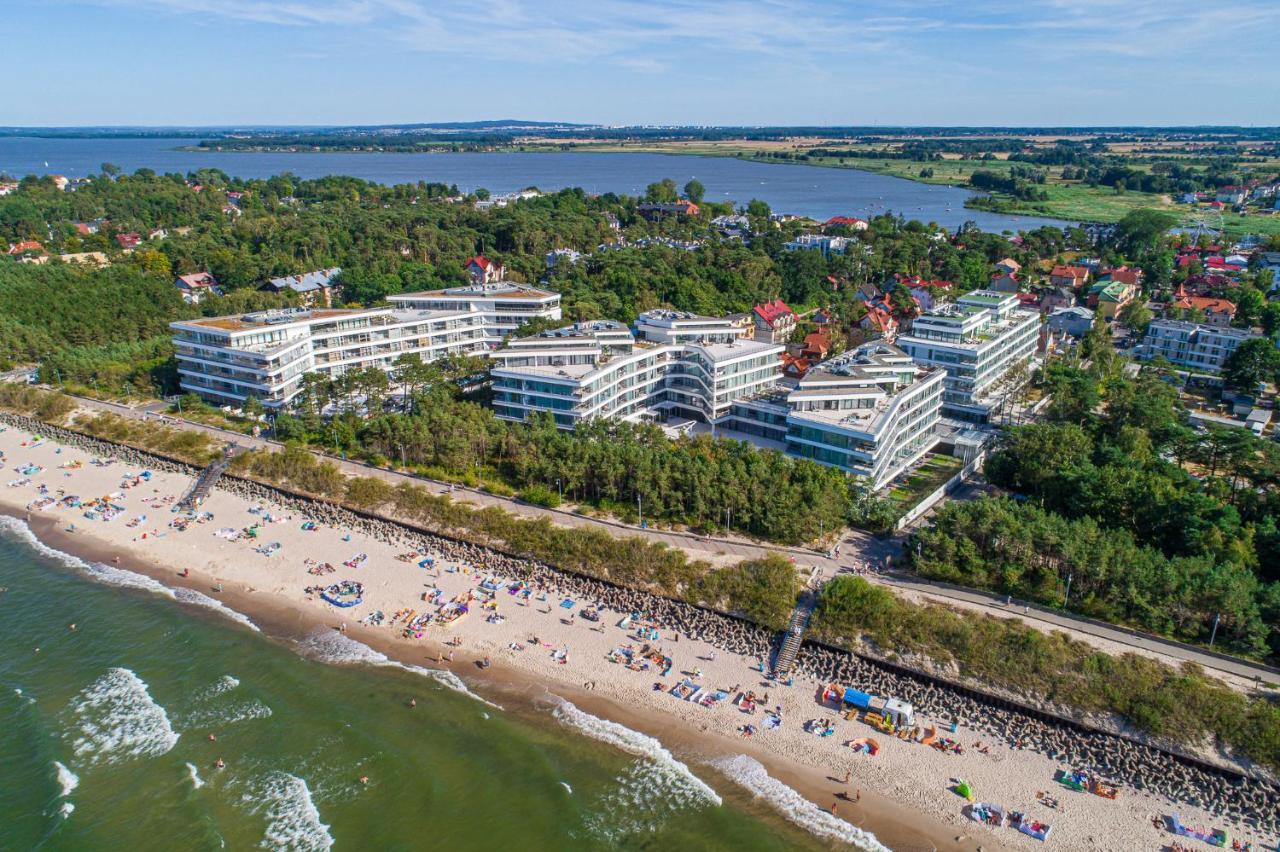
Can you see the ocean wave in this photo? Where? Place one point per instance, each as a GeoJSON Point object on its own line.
{"type": "Point", "coordinates": [751, 775]}
{"type": "Point", "coordinates": [222, 685]}
{"type": "Point", "coordinates": [293, 821]}
{"type": "Point", "coordinates": [110, 575]}
{"type": "Point", "coordinates": [194, 598]}
{"type": "Point", "coordinates": [638, 744]}
{"type": "Point", "coordinates": [66, 810]}
{"type": "Point", "coordinates": [196, 783]}
{"type": "Point", "coordinates": [245, 711]}
{"type": "Point", "coordinates": [115, 717]}
{"type": "Point", "coordinates": [67, 779]}
{"type": "Point", "coordinates": [329, 646]}
{"type": "Point", "coordinates": [643, 798]}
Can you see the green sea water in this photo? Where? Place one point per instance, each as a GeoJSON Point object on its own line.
{"type": "Point", "coordinates": [104, 741]}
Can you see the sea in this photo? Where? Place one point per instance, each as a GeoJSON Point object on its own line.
{"type": "Point", "coordinates": [110, 735]}
{"type": "Point", "coordinates": [813, 191]}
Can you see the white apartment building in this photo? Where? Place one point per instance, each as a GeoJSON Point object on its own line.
{"type": "Point", "coordinates": [1196, 346]}
{"type": "Point", "coordinates": [819, 242]}
{"type": "Point", "coordinates": [977, 341]}
{"type": "Point", "coordinates": [264, 355]}
{"type": "Point", "coordinates": [503, 305]}
{"type": "Point", "coordinates": [666, 326]}
{"type": "Point", "coordinates": [599, 369]}
{"type": "Point", "coordinates": [872, 412]}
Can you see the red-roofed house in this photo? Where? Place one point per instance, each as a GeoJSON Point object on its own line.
{"type": "Point", "coordinates": [1068, 276]}
{"type": "Point", "coordinates": [26, 247]}
{"type": "Point", "coordinates": [880, 321]}
{"type": "Point", "coordinates": [795, 366]}
{"type": "Point", "coordinates": [485, 271]}
{"type": "Point", "coordinates": [194, 286]}
{"type": "Point", "coordinates": [852, 222]}
{"type": "Point", "coordinates": [816, 345]}
{"type": "Point", "coordinates": [1217, 312]}
{"type": "Point", "coordinates": [129, 242]}
{"type": "Point", "coordinates": [1124, 274]}
{"type": "Point", "coordinates": [656, 209]}
{"type": "Point", "coordinates": [774, 321]}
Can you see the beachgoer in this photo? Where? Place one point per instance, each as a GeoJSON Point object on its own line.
{"type": "Point", "coordinates": [71, 626]}
{"type": "Point", "coordinates": [857, 795]}
{"type": "Point", "coordinates": [212, 738]}
{"type": "Point", "coordinates": [847, 776]}
{"type": "Point", "coordinates": [413, 702]}
{"type": "Point", "coordinates": [834, 808]}
{"type": "Point", "coordinates": [364, 779]}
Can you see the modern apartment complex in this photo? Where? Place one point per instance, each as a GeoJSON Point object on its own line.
{"type": "Point", "coordinates": [599, 369]}
{"type": "Point", "coordinates": [264, 355]}
{"type": "Point", "coordinates": [666, 326]}
{"type": "Point", "coordinates": [977, 340]}
{"type": "Point", "coordinates": [1193, 345]}
{"type": "Point", "coordinates": [872, 412]}
{"type": "Point", "coordinates": [504, 306]}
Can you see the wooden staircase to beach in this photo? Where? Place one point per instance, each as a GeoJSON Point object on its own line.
{"type": "Point", "coordinates": [794, 637]}
{"type": "Point", "coordinates": [206, 480]}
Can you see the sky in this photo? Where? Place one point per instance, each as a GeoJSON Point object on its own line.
{"type": "Point", "coordinates": [622, 62]}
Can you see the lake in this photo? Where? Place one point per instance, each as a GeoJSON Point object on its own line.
{"type": "Point", "coordinates": [788, 188]}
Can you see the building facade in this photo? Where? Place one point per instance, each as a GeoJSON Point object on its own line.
{"type": "Point", "coordinates": [666, 326]}
{"type": "Point", "coordinates": [264, 355]}
{"type": "Point", "coordinates": [977, 340]}
{"type": "Point", "coordinates": [1195, 346]}
{"type": "Point", "coordinates": [599, 369]}
{"type": "Point", "coordinates": [503, 306]}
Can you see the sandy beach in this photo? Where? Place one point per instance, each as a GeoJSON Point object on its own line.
{"type": "Point", "coordinates": [541, 652]}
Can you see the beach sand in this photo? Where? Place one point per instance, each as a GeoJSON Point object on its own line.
{"type": "Point", "coordinates": [902, 794]}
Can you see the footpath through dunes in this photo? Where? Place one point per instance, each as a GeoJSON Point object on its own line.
{"type": "Point", "coordinates": [1249, 802]}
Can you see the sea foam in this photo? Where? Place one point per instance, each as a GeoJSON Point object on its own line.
{"type": "Point", "coordinates": [121, 578]}
{"type": "Point", "coordinates": [329, 646]}
{"type": "Point", "coordinates": [116, 718]}
{"type": "Point", "coordinates": [67, 779]}
{"type": "Point", "coordinates": [293, 821]}
{"type": "Point", "coordinates": [750, 774]}
{"type": "Point", "coordinates": [196, 783]}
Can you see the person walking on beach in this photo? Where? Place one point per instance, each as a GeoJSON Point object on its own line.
{"type": "Point", "coordinates": [848, 776]}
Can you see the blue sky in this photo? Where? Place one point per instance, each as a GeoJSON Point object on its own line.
{"type": "Point", "coordinates": [1037, 62]}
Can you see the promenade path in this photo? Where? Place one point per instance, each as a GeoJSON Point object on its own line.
{"type": "Point", "coordinates": [856, 550]}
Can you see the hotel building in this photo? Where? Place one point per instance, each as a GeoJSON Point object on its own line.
{"type": "Point", "coordinates": [264, 355]}
{"type": "Point", "coordinates": [871, 412]}
{"type": "Point", "coordinates": [977, 340]}
{"type": "Point", "coordinates": [600, 369]}
{"type": "Point", "coordinates": [1195, 346]}
{"type": "Point", "coordinates": [503, 306]}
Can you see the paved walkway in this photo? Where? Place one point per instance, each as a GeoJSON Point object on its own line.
{"type": "Point", "coordinates": [855, 549]}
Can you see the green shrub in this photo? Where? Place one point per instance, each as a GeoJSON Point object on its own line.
{"type": "Point", "coordinates": [540, 495]}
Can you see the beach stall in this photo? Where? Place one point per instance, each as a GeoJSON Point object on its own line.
{"type": "Point", "coordinates": [899, 712]}
{"type": "Point", "coordinates": [855, 700]}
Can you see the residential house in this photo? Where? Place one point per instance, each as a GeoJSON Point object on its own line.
{"type": "Point", "coordinates": [194, 286]}
{"type": "Point", "coordinates": [1072, 277]}
{"type": "Point", "coordinates": [1009, 266]}
{"type": "Point", "coordinates": [7, 187]}
{"type": "Point", "coordinates": [1006, 282]}
{"type": "Point", "coordinates": [129, 242]}
{"type": "Point", "coordinates": [1113, 290]}
{"type": "Point", "coordinates": [1057, 297]}
{"type": "Point", "coordinates": [1072, 322]}
{"type": "Point", "coordinates": [775, 322]}
{"type": "Point", "coordinates": [27, 248]}
{"type": "Point", "coordinates": [657, 210]}
{"type": "Point", "coordinates": [485, 271]}
{"type": "Point", "coordinates": [1231, 195]}
{"type": "Point", "coordinates": [851, 222]}
{"type": "Point", "coordinates": [880, 322]}
{"type": "Point", "coordinates": [60, 181]}
{"type": "Point", "coordinates": [157, 234]}
{"type": "Point", "coordinates": [314, 288]}
{"type": "Point", "coordinates": [566, 256]}
{"type": "Point", "coordinates": [817, 345]}
{"type": "Point", "coordinates": [1215, 312]}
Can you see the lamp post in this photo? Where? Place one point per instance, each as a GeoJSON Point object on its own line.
{"type": "Point", "coordinates": [560, 489]}
{"type": "Point", "coordinates": [1067, 596]}
{"type": "Point", "coordinates": [1214, 634]}
{"type": "Point", "coordinates": [640, 508]}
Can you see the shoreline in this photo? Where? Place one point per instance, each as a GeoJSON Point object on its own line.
{"type": "Point", "coordinates": [892, 823]}
{"type": "Point", "coordinates": [908, 804]}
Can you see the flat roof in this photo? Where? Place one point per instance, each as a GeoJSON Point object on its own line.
{"type": "Point", "coordinates": [242, 322]}
{"type": "Point", "coordinates": [504, 290]}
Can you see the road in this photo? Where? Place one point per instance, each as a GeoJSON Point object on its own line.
{"type": "Point", "coordinates": [856, 550]}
